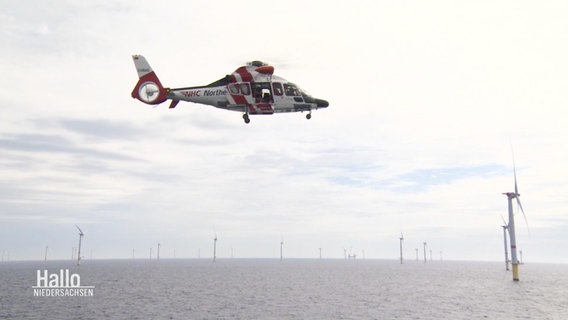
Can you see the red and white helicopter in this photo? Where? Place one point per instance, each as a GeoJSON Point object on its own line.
{"type": "Point", "coordinates": [251, 89]}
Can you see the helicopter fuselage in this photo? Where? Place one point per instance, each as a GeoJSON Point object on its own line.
{"type": "Point", "coordinates": [251, 89]}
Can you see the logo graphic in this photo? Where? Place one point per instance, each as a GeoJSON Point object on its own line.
{"type": "Point", "coordinates": [62, 284]}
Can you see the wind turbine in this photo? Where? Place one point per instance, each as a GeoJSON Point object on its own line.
{"type": "Point", "coordinates": [281, 245]}
{"type": "Point", "coordinates": [215, 248]}
{"type": "Point", "coordinates": [81, 234]}
{"type": "Point", "coordinates": [401, 239]}
{"type": "Point", "coordinates": [425, 244]}
{"type": "Point", "coordinates": [511, 224]}
{"type": "Point", "coordinates": [505, 227]}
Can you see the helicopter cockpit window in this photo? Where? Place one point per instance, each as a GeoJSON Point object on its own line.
{"type": "Point", "coordinates": [307, 97]}
{"type": "Point", "coordinates": [291, 89]}
{"type": "Point", "coordinates": [277, 87]}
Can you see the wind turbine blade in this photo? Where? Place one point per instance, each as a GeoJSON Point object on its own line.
{"type": "Point", "coordinates": [515, 175]}
{"type": "Point", "coordinates": [514, 170]}
{"type": "Point", "coordinates": [524, 216]}
{"type": "Point", "coordinates": [504, 222]}
{"type": "Point", "coordinates": [80, 231]}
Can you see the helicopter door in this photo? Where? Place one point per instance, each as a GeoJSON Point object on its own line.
{"type": "Point", "coordinates": [279, 98]}
{"type": "Point", "coordinates": [262, 97]}
{"type": "Point", "coordinates": [277, 91]}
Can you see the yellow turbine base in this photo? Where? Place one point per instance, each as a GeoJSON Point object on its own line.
{"type": "Point", "coordinates": [515, 272]}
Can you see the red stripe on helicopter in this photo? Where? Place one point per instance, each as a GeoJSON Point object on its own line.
{"type": "Point", "coordinates": [239, 99]}
{"type": "Point", "coordinates": [263, 108]}
{"type": "Point", "coordinates": [243, 74]}
{"type": "Point", "coordinates": [152, 78]}
{"type": "Point", "coordinates": [265, 70]}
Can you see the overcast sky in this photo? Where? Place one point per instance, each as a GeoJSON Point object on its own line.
{"type": "Point", "coordinates": [426, 100]}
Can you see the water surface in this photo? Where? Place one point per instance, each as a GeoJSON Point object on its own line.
{"type": "Point", "coordinates": [292, 289]}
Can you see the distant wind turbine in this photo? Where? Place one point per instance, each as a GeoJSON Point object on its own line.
{"type": "Point", "coordinates": [215, 248]}
{"type": "Point", "coordinates": [401, 239]}
{"type": "Point", "coordinates": [281, 251]}
{"type": "Point", "coordinates": [81, 234]}
{"type": "Point", "coordinates": [511, 224]}
{"type": "Point", "coordinates": [425, 252]}
{"type": "Point", "coordinates": [505, 227]}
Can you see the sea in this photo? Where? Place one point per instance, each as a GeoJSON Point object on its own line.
{"type": "Point", "coordinates": [288, 289]}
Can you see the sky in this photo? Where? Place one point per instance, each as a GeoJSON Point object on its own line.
{"type": "Point", "coordinates": [429, 101]}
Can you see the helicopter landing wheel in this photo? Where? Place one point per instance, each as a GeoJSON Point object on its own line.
{"type": "Point", "coordinates": [309, 116]}
{"type": "Point", "coordinates": [246, 118]}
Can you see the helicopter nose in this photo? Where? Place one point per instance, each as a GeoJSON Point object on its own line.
{"type": "Point", "coordinates": [322, 103]}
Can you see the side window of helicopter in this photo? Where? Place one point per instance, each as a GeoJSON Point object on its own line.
{"type": "Point", "coordinates": [291, 90]}
{"type": "Point", "coordinates": [239, 88]}
{"type": "Point", "coordinates": [245, 89]}
{"type": "Point", "coordinates": [277, 88]}
{"type": "Point", "coordinates": [234, 88]}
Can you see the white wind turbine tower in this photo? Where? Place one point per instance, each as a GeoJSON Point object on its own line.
{"type": "Point", "coordinates": [81, 234]}
{"type": "Point", "coordinates": [505, 227]}
{"type": "Point", "coordinates": [401, 239]}
{"type": "Point", "coordinates": [215, 248]}
{"type": "Point", "coordinates": [511, 224]}
{"type": "Point", "coordinates": [281, 253]}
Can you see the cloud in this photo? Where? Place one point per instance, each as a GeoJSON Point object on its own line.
{"type": "Point", "coordinates": [424, 101]}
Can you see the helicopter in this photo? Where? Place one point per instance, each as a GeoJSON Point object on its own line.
{"type": "Point", "coordinates": [252, 89]}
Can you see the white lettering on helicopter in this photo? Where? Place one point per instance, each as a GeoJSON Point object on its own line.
{"type": "Point", "coordinates": [217, 92]}
{"type": "Point", "coordinates": [207, 93]}
{"type": "Point", "coordinates": [196, 93]}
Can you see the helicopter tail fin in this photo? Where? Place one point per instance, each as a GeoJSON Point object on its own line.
{"type": "Point", "coordinates": [149, 89]}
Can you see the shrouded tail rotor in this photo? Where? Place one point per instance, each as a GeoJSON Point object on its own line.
{"type": "Point", "coordinates": [149, 89]}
